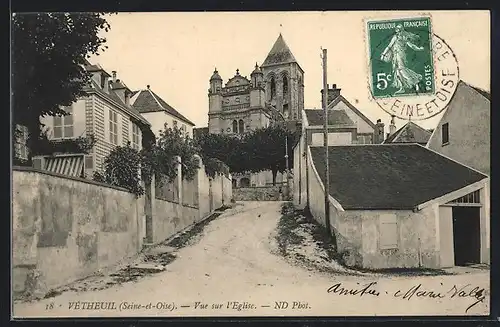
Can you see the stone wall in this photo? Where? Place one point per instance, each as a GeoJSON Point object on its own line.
{"type": "Point", "coordinates": [67, 228]}
{"type": "Point", "coordinates": [262, 193]}
{"type": "Point", "coordinates": [357, 232]}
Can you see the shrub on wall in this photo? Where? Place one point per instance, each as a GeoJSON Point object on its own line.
{"type": "Point", "coordinates": [215, 166]}
{"type": "Point", "coordinates": [121, 168]}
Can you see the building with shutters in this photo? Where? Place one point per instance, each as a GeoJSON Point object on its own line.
{"type": "Point", "coordinates": [104, 112]}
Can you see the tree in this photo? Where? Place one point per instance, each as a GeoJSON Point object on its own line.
{"type": "Point", "coordinates": [49, 51]}
{"type": "Point", "coordinates": [266, 148]}
{"type": "Point", "coordinates": [228, 149]}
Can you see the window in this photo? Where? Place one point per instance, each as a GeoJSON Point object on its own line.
{"type": "Point", "coordinates": [273, 88]}
{"type": "Point", "coordinates": [241, 126]}
{"type": "Point", "coordinates": [113, 127]}
{"type": "Point", "coordinates": [21, 138]}
{"type": "Point", "coordinates": [285, 86]}
{"type": "Point", "coordinates": [388, 231]}
{"type": "Point", "coordinates": [445, 134]}
{"type": "Point", "coordinates": [103, 81]}
{"type": "Point", "coordinates": [183, 129]}
{"type": "Point", "coordinates": [135, 137]}
{"type": "Point", "coordinates": [471, 198]}
{"type": "Point", "coordinates": [285, 110]}
{"type": "Point", "coordinates": [63, 126]}
{"type": "Point", "coordinates": [174, 123]}
{"type": "Point", "coordinates": [235, 126]}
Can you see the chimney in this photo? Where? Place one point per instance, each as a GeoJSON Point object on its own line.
{"type": "Point", "coordinates": [114, 75]}
{"type": "Point", "coordinates": [127, 98]}
{"type": "Point", "coordinates": [333, 93]}
{"type": "Point", "coordinates": [392, 126]}
{"type": "Point", "coordinates": [378, 137]}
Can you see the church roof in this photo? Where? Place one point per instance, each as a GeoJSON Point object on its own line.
{"type": "Point", "coordinates": [316, 117]}
{"type": "Point", "coordinates": [279, 54]}
{"type": "Point", "coordinates": [148, 101]}
{"type": "Point", "coordinates": [410, 133]}
{"type": "Point", "coordinates": [390, 176]}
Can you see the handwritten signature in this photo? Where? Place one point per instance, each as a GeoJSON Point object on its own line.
{"type": "Point", "coordinates": [415, 291]}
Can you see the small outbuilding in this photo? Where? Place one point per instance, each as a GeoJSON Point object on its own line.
{"type": "Point", "coordinates": [398, 205]}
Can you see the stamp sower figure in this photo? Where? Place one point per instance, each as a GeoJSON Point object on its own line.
{"type": "Point", "coordinates": [280, 195]}
{"type": "Point", "coordinates": [395, 52]}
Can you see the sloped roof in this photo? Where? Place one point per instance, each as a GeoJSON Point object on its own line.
{"type": "Point", "coordinates": [148, 101]}
{"type": "Point", "coordinates": [339, 98]}
{"type": "Point", "coordinates": [390, 176]}
{"type": "Point", "coordinates": [410, 133]}
{"type": "Point", "coordinates": [316, 117]}
{"type": "Point", "coordinates": [111, 95]}
{"type": "Point", "coordinates": [484, 93]}
{"type": "Point", "coordinates": [280, 53]}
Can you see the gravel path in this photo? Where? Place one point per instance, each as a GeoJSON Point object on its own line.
{"type": "Point", "coordinates": [233, 270]}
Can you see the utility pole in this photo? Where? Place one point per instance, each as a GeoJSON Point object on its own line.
{"type": "Point", "coordinates": [325, 137]}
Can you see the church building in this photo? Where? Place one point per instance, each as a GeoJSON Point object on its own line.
{"type": "Point", "coordinates": [275, 91]}
{"type": "Point", "coordinates": [244, 104]}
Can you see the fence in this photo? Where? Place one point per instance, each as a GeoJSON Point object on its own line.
{"type": "Point", "coordinates": [66, 228]}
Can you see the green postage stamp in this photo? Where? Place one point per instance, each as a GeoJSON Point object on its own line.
{"type": "Point", "coordinates": [401, 57]}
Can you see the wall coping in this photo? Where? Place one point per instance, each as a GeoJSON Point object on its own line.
{"type": "Point", "coordinates": [76, 179]}
{"type": "Point", "coordinates": [260, 187]}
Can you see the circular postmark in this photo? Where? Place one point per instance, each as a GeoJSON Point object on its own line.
{"type": "Point", "coordinates": [413, 72]}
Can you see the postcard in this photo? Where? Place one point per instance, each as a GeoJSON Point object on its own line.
{"type": "Point", "coordinates": [251, 164]}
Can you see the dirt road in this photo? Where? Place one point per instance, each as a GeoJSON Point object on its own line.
{"type": "Point", "coordinates": [233, 271]}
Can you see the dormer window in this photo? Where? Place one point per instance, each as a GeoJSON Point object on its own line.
{"type": "Point", "coordinates": [103, 81]}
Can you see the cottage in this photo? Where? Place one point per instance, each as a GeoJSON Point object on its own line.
{"type": "Point", "coordinates": [158, 112]}
{"type": "Point", "coordinates": [104, 112]}
{"type": "Point", "coordinates": [397, 205]}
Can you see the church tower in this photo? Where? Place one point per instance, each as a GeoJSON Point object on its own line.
{"type": "Point", "coordinates": [214, 102]}
{"type": "Point", "coordinates": [284, 80]}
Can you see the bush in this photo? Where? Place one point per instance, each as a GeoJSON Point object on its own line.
{"type": "Point", "coordinates": [121, 168]}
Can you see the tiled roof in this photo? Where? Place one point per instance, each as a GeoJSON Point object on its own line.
{"type": "Point", "coordinates": [390, 176]}
{"type": "Point", "coordinates": [148, 101]}
{"type": "Point", "coordinates": [410, 133]}
{"type": "Point", "coordinates": [316, 117]}
{"type": "Point", "coordinates": [280, 53]}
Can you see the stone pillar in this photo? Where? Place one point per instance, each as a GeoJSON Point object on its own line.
{"type": "Point", "coordinates": [178, 178]}
{"type": "Point", "coordinates": [149, 209]}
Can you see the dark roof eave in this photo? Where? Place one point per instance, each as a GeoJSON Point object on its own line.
{"type": "Point", "coordinates": [406, 208]}
{"type": "Point", "coordinates": [136, 116]}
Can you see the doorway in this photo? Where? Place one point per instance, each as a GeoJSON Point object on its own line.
{"type": "Point", "coordinates": [244, 182]}
{"type": "Point", "coordinates": [466, 235]}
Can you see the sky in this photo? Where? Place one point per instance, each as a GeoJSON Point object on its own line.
{"type": "Point", "coordinates": [176, 53]}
